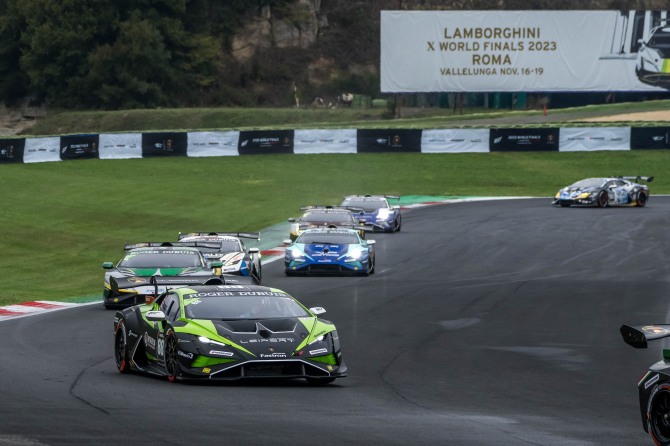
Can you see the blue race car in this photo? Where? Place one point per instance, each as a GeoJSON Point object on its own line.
{"type": "Point", "coordinates": [375, 210]}
{"type": "Point", "coordinates": [330, 251]}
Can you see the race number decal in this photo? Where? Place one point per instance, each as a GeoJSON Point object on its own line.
{"type": "Point", "coordinates": [160, 346]}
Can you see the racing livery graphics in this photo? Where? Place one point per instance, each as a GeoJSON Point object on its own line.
{"type": "Point", "coordinates": [602, 192]}
{"type": "Point", "coordinates": [330, 251]}
{"type": "Point", "coordinates": [228, 332]}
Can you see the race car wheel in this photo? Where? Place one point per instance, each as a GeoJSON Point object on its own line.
{"type": "Point", "coordinates": [121, 347]}
{"type": "Point", "coordinates": [658, 414]}
{"type": "Point", "coordinates": [641, 198]}
{"type": "Point", "coordinates": [319, 381]}
{"type": "Point", "coordinates": [398, 224]}
{"type": "Point", "coordinates": [602, 199]}
{"type": "Point", "coordinates": [171, 359]}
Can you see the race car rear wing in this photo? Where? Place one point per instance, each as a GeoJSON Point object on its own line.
{"type": "Point", "coordinates": [211, 245]}
{"type": "Point", "coordinates": [119, 283]}
{"type": "Point", "coordinates": [328, 206]}
{"type": "Point", "coordinates": [250, 235]}
{"type": "Point", "coordinates": [638, 179]}
{"type": "Point", "coordinates": [638, 336]}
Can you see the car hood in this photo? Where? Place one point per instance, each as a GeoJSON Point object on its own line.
{"type": "Point", "coordinates": [147, 272]}
{"type": "Point", "coordinates": [263, 338]}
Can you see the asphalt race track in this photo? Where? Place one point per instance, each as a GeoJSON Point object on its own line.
{"type": "Point", "coordinates": [490, 323]}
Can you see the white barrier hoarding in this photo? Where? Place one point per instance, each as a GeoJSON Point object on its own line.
{"type": "Point", "coordinates": [212, 143]}
{"type": "Point", "coordinates": [585, 139]}
{"type": "Point", "coordinates": [324, 141]}
{"type": "Point", "coordinates": [485, 51]}
{"type": "Point", "coordinates": [39, 150]}
{"type": "Point", "coordinates": [120, 145]}
{"type": "Point", "coordinates": [454, 140]}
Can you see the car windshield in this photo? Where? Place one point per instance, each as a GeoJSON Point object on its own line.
{"type": "Point", "coordinates": [326, 238]}
{"type": "Point", "coordinates": [660, 39]}
{"type": "Point", "coordinates": [588, 183]}
{"type": "Point", "coordinates": [162, 259]}
{"type": "Point", "coordinates": [243, 305]}
{"type": "Point", "coordinates": [366, 205]}
{"type": "Point", "coordinates": [327, 217]}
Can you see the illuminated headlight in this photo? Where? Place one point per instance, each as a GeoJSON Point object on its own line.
{"type": "Point", "coordinates": [295, 254]}
{"type": "Point", "coordinates": [318, 339]}
{"type": "Point", "coordinates": [584, 195]}
{"type": "Point", "coordinates": [355, 254]}
{"type": "Point", "coordinates": [384, 214]}
{"type": "Point", "coordinates": [208, 341]}
{"type": "Point", "coordinates": [558, 195]}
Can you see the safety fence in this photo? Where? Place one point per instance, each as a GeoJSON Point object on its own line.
{"type": "Point", "coordinates": [315, 141]}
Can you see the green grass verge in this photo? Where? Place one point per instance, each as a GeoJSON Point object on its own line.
{"type": "Point", "coordinates": [61, 220]}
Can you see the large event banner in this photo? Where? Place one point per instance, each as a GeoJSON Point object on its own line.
{"type": "Point", "coordinates": [120, 145]}
{"type": "Point", "coordinates": [39, 150]}
{"type": "Point", "coordinates": [643, 138]}
{"type": "Point", "coordinates": [585, 139]}
{"type": "Point", "coordinates": [11, 150]}
{"type": "Point", "coordinates": [213, 143]}
{"type": "Point", "coordinates": [164, 144]}
{"type": "Point", "coordinates": [261, 142]}
{"type": "Point", "coordinates": [542, 51]}
{"type": "Point", "coordinates": [325, 141]}
{"type": "Point", "coordinates": [524, 140]}
{"type": "Point", "coordinates": [388, 140]}
{"type": "Point", "coordinates": [79, 146]}
{"type": "Point", "coordinates": [455, 140]}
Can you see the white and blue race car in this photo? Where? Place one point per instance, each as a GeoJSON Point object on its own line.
{"type": "Point", "coordinates": [375, 210]}
{"type": "Point", "coordinates": [330, 250]}
{"type": "Point", "coordinates": [602, 192]}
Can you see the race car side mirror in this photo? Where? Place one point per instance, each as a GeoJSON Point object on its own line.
{"type": "Point", "coordinates": [317, 310]}
{"type": "Point", "coordinates": [287, 241]}
{"type": "Point", "coordinates": [292, 219]}
{"type": "Point", "coordinates": [371, 242]}
{"type": "Point", "coordinates": [215, 264]}
{"type": "Point", "coordinates": [108, 265]}
{"type": "Point", "coordinates": [155, 316]}
{"type": "Point", "coordinates": [254, 250]}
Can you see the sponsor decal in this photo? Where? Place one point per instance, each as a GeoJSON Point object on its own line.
{"type": "Point", "coordinates": [160, 351]}
{"type": "Point", "coordinates": [271, 340]}
{"type": "Point", "coordinates": [207, 370]}
{"type": "Point", "coordinates": [273, 355]}
{"type": "Point", "coordinates": [132, 334]}
{"type": "Point", "coordinates": [220, 353]}
{"type": "Point", "coordinates": [652, 329]}
{"type": "Point", "coordinates": [318, 351]}
{"type": "Point", "coordinates": [653, 380]}
{"type": "Point", "coordinates": [149, 341]}
{"type": "Point", "coordinates": [185, 354]}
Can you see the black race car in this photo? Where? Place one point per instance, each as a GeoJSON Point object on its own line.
{"type": "Point", "coordinates": [227, 332]}
{"type": "Point", "coordinates": [602, 192]}
{"type": "Point", "coordinates": [654, 387]}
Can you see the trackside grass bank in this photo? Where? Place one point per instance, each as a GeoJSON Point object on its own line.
{"type": "Point", "coordinates": [61, 220]}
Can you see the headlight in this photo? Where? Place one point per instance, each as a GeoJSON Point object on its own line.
{"type": "Point", "coordinates": [384, 214]}
{"type": "Point", "coordinates": [355, 254]}
{"type": "Point", "coordinates": [208, 341]}
{"type": "Point", "coordinates": [295, 254]}
{"type": "Point", "coordinates": [584, 195]}
{"type": "Point", "coordinates": [234, 260]}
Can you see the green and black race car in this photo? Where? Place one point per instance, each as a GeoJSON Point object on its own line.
{"type": "Point", "coordinates": [227, 332]}
{"type": "Point", "coordinates": [164, 259]}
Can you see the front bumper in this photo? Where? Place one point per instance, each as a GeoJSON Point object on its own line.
{"type": "Point", "coordinates": [293, 267]}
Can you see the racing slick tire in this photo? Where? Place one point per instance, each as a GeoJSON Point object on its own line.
{"type": "Point", "coordinates": [641, 199]}
{"type": "Point", "coordinates": [398, 225]}
{"type": "Point", "coordinates": [658, 414]}
{"type": "Point", "coordinates": [171, 359]}
{"type": "Point", "coordinates": [121, 347]}
{"type": "Point", "coordinates": [602, 199]}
